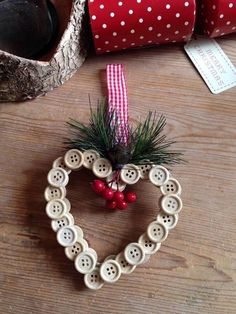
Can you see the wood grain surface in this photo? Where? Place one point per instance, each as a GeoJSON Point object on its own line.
{"type": "Point", "coordinates": [195, 269]}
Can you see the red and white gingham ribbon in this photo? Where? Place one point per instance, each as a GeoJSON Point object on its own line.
{"type": "Point", "coordinates": [118, 100]}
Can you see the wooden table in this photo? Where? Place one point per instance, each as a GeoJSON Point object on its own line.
{"type": "Point", "coordinates": [195, 269]}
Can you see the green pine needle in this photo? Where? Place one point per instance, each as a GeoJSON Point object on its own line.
{"type": "Point", "coordinates": [146, 142]}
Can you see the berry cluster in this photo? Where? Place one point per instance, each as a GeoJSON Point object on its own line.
{"type": "Point", "coordinates": [114, 199]}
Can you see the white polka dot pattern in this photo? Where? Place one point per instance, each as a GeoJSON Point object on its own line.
{"type": "Point", "coordinates": [130, 23]}
{"type": "Point", "coordinates": [217, 17]}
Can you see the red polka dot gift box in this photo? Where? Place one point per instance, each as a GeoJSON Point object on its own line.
{"type": "Point", "coordinates": [125, 24]}
{"type": "Point", "coordinates": [217, 17]}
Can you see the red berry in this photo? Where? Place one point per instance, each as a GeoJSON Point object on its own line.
{"type": "Point", "coordinates": [108, 193]}
{"type": "Point", "coordinates": [98, 186]}
{"type": "Point", "coordinates": [130, 197]}
{"type": "Point", "coordinates": [111, 204]}
{"type": "Point", "coordinates": [122, 205]}
{"type": "Point", "coordinates": [119, 196]}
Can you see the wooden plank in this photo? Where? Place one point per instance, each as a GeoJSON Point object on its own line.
{"type": "Point", "coordinates": [195, 270]}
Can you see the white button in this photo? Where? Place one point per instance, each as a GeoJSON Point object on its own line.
{"type": "Point", "coordinates": [144, 171]}
{"type": "Point", "coordinates": [172, 186]}
{"type": "Point", "coordinates": [146, 259]}
{"type": "Point", "coordinates": [157, 232]}
{"type": "Point", "coordinates": [130, 174]}
{"type": "Point", "coordinates": [171, 204]}
{"type": "Point", "coordinates": [126, 268]}
{"type": "Point", "coordinates": [74, 159]}
{"type": "Point", "coordinates": [56, 208]}
{"type": "Point", "coordinates": [148, 246]}
{"type": "Point", "coordinates": [58, 177]}
{"type": "Point", "coordinates": [170, 221]}
{"type": "Point", "coordinates": [66, 220]}
{"type": "Point", "coordinates": [89, 157]}
{"type": "Point", "coordinates": [158, 175]}
{"type": "Point", "coordinates": [92, 251]}
{"type": "Point", "coordinates": [85, 262]}
{"type": "Point", "coordinates": [59, 163]}
{"type": "Point", "coordinates": [67, 236]}
{"type": "Point", "coordinates": [116, 185]}
{"type": "Point", "coordinates": [79, 231]}
{"type": "Point", "coordinates": [79, 246]}
{"type": "Point", "coordinates": [52, 192]}
{"type": "Point", "coordinates": [134, 254]}
{"type": "Point", "coordinates": [93, 280]}
{"type": "Point", "coordinates": [68, 204]}
{"type": "Point", "coordinates": [110, 257]}
{"type": "Point", "coordinates": [102, 168]}
{"type": "Point", "coordinates": [110, 271]}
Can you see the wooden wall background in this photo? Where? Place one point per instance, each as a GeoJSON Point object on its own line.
{"type": "Point", "coordinates": [195, 270]}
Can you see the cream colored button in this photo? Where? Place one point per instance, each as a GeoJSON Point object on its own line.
{"type": "Point", "coordinates": [67, 236]}
{"type": "Point", "coordinates": [157, 232]}
{"type": "Point", "coordinates": [171, 204]}
{"type": "Point", "coordinates": [85, 262]}
{"type": "Point", "coordinates": [58, 177]}
{"type": "Point", "coordinates": [158, 175]}
{"type": "Point", "coordinates": [56, 208]}
{"type": "Point", "coordinates": [134, 254]}
{"type": "Point", "coordinates": [109, 257]}
{"type": "Point", "coordinates": [172, 186]}
{"type": "Point", "coordinates": [102, 168]}
{"type": "Point", "coordinates": [52, 192]}
{"type": "Point", "coordinates": [126, 268]}
{"type": "Point", "coordinates": [68, 204]}
{"type": "Point", "coordinates": [148, 246]}
{"type": "Point", "coordinates": [79, 231]}
{"type": "Point", "coordinates": [130, 174]}
{"type": "Point", "coordinates": [92, 251]}
{"type": "Point", "coordinates": [74, 159]}
{"type": "Point", "coordinates": [79, 246]}
{"type": "Point", "coordinates": [110, 271]}
{"type": "Point", "coordinates": [116, 185]}
{"type": "Point", "coordinates": [59, 163]}
{"type": "Point", "coordinates": [144, 171]}
{"type": "Point", "coordinates": [170, 221]}
{"type": "Point", "coordinates": [93, 280]}
{"type": "Point", "coordinates": [146, 259]}
{"type": "Point", "coordinates": [66, 220]}
{"type": "Point", "coordinates": [89, 158]}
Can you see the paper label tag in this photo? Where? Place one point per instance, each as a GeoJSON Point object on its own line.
{"type": "Point", "coordinates": [212, 63]}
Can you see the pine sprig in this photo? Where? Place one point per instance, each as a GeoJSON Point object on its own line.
{"type": "Point", "coordinates": [146, 142]}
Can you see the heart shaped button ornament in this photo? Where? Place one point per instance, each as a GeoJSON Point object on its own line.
{"type": "Point", "coordinates": [119, 156]}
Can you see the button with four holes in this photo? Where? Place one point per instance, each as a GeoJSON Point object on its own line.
{"type": "Point", "coordinates": [148, 245]}
{"type": "Point", "coordinates": [157, 232]}
{"type": "Point", "coordinates": [59, 163]}
{"type": "Point", "coordinates": [144, 171]}
{"type": "Point", "coordinates": [172, 186]}
{"type": "Point", "coordinates": [74, 159]}
{"type": "Point", "coordinates": [158, 175]}
{"type": "Point", "coordinates": [58, 177]}
{"type": "Point", "coordinates": [56, 208]}
{"type": "Point", "coordinates": [134, 254]}
{"type": "Point", "coordinates": [126, 268]}
{"type": "Point", "coordinates": [85, 262]}
{"type": "Point", "coordinates": [52, 192]}
{"type": "Point", "coordinates": [93, 280]}
{"type": "Point", "coordinates": [89, 158]}
{"type": "Point", "coordinates": [67, 236]}
{"type": "Point", "coordinates": [171, 204]}
{"type": "Point", "coordinates": [66, 220]}
{"type": "Point", "coordinates": [130, 174]}
{"type": "Point", "coordinates": [102, 168]}
{"type": "Point", "coordinates": [110, 271]}
{"type": "Point", "coordinates": [120, 185]}
{"type": "Point", "coordinates": [79, 246]}
{"type": "Point", "coordinates": [170, 221]}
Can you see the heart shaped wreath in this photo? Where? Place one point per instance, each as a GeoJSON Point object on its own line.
{"type": "Point", "coordinates": [118, 155]}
